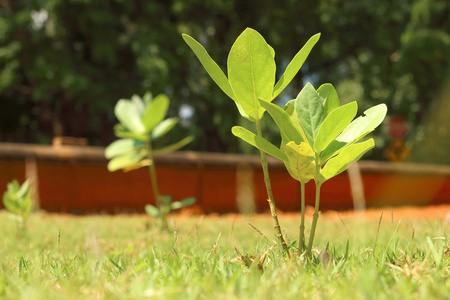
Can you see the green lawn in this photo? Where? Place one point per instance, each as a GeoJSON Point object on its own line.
{"type": "Point", "coordinates": [127, 257]}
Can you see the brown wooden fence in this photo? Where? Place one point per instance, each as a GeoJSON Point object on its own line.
{"type": "Point", "coordinates": [75, 179]}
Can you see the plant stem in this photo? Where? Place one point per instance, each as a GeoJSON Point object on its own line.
{"type": "Point", "coordinates": [301, 240]}
{"type": "Point", "coordinates": [270, 199]}
{"type": "Point", "coordinates": [154, 181]}
{"type": "Point", "coordinates": [315, 218]}
{"type": "Point", "coordinates": [316, 209]}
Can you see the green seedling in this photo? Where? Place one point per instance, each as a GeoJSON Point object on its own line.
{"type": "Point", "coordinates": [250, 81]}
{"type": "Point", "coordinates": [18, 200]}
{"type": "Point", "coordinates": [141, 122]}
{"type": "Point", "coordinates": [319, 140]}
{"type": "Point", "coordinates": [166, 206]}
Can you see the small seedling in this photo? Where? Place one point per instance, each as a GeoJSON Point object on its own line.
{"type": "Point", "coordinates": [318, 140]}
{"type": "Point", "coordinates": [142, 122]}
{"type": "Point", "coordinates": [250, 81]}
{"type": "Point", "coordinates": [18, 200]}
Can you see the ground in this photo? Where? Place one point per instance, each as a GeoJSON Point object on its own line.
{"type": "Point", "coordinates": [399, 253]}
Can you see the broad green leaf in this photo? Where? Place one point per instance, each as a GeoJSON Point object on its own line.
{"type": "Point", "coordinates": [258, 142]}
{"type": "Point", "coordinates": [334, 124]}
{"type": "Point", "coordinates": [163, 127]}
{"type": "Point", "coordinates": [251, 71]}
{"type": "Point", "coordinates": [123, 146]}
{"type": "Point", "coordinates": [139, 104]}
{"type": "Point", "coordinates": [152, 211]}
{"type": "Point", "coordinates": [357, 129]}
{"type": "Point", "coordinates": [155, 112]}
{"type": "Point", "coordinates": [210, 66]}
{"type": "Point", "coordinates": [331, 102]}
{"type": "Point", "coordinates": [138, 165]}
{"type": "Point", "coordinates": [242, 112]}
{"type": "Point", "coordinates": [128, 114]}
{"type": "Point", "coordinates": [289, 107]}
{"type": "Point", "coordinates": [344, 159]}
{"type": "Point", "coordinates": [183, 203]}
{"type": "Point", "coordinates": [283, 121]}
{"type": "Point", "coordinates": [301, 161]}
{"type": "Point", "coordinates": [123, 161]}
{"type": "Point", "coordinates": [295, 65]}
{"type": "Point", "coordinates": [175, 146]}
{"type": "Point", "coordinates": [121, 132]}
{"type": "Point", "coordinates": [309, 110]}
{"type": "Point", "coordinates": [271, 50]}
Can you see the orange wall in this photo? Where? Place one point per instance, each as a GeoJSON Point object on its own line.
{"type": "Point", "coordinates": [80, 188]}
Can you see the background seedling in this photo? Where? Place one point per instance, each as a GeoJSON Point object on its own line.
{"type": "Point", "coordinates": [318, 140]}
{"type": "Point", "coordinates": [18, 200]}
{"type": "Point", "coordinates": [251, 79]}
{"type": "Point", "coordinates": [141, 122]}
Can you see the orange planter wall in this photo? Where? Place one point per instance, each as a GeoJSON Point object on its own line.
{"type": "Point", "coordinates": [75, 179]}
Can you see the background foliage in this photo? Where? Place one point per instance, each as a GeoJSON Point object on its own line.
{"type": "Point", "coordinates": [65, 63]}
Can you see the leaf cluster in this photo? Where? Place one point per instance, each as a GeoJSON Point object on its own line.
{"type": "Point", "coordinates": [18, 199]}
{"type": "Point", "coordinates": [141, 120]}
{"type": "Point", "coordinates": [167, 205]}
{"type": "Point", "coordinates": [251, 70]}
{"type": "Point", "coordinates": [317, 133]}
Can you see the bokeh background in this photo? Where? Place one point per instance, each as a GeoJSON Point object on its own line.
{"type": "Point", "coordinates": [65, 63]}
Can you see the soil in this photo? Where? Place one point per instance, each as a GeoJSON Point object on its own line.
{"type": "Point", "coordinates": [403, 212]}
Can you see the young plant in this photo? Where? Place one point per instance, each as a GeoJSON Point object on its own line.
{"type": "Point", "coordinates": [251, 80]}
{"type": "Point", "coordinates": [318, 140]}
{"type": "Point", "coordinates": [142, 122]}
{"type": "Point", "coordinates": [18, 199]}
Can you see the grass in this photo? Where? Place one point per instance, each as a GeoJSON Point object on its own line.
{"type": "Point", "coordinates": [127, 257]}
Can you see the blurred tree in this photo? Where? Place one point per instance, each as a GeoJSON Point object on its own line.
{"type": "Point", "coordinates": [65, 63]}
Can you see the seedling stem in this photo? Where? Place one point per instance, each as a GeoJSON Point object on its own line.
{"type": "Point", "coordinates": [273, 209]}
{"type": "Point", "coordinates": [316, 209]}
{"type": "Point", "coordinates": [301, 240]}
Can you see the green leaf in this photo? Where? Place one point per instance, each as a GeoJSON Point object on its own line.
{"type": "Point", "coordinates": [357, 129]}
{"type": "Point", "coordinates": [309, 110]}
{"type": "Point", "coordinates": [155, 112]}
{"type": "Point", "coordinates": [344, 159]}
{"type": "Point", "coordinates": [122, 132]}
{"type": "Point", "coordinates": [148, 97]}
{"type": "Point", "coordinates": [183, 203]}
{"type": "Point", "coordinates": [163, 127]}
{"type": "Point", "coordinates": [251, 71]}
{"type": "Point", "coordinates": [138, 165]}
{"type": "Point", "coordinates": [295, 65]}
{"type": "Point", "coordinates": [128, 114]}
{"type": "Point", "coordinates": [18, 199]}
{"type": "Point", "coordinates": [210, 66]}
{"type": "Point", "coordinates": [283, 122]}
{"type": "Point", "coordinates": [152, 211]}
{"type": "Point", "coordinates": [301, 161]}
{"type": "Point", "coordinates": [334, 124]}
{"type": "Point", "coordinates": [175, 146]}
{"type": "Point", "coordinates": [331, 102]}
{"type": "Point", "coordinates": [123, 161]}
{"type": "Point", "coordinates": [289, 107]}
{"type": "Point", "coordinates": [258, 142]}
{"type": "Point", "coordinates": [123, 146]}
{"type": "Point", "coordinates": [24, 188]}
{"type": "Point", "coordinates": [165, 199]}
{"type": "Point", "coordinates": [13, 187]}
{"type": "Point", "coordinates": [138, 103]}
